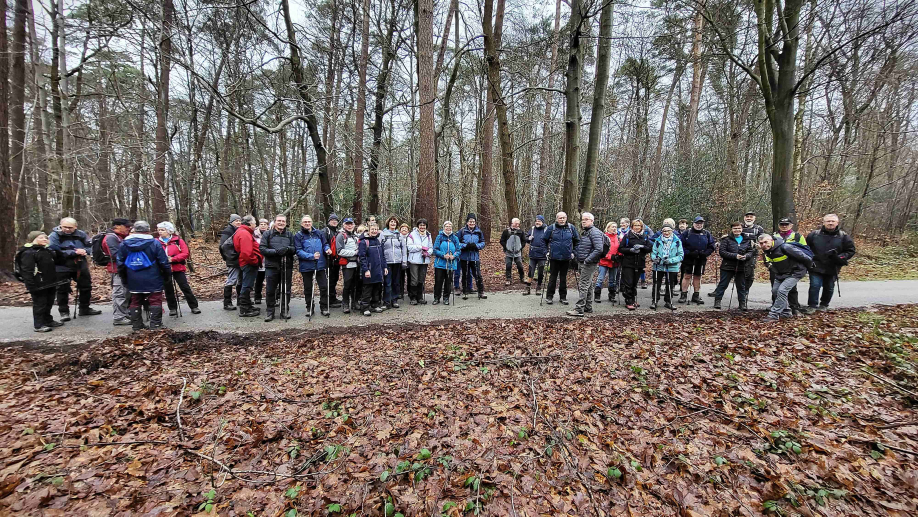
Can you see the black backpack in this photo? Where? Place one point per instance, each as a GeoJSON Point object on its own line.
{"type": "Point", "coordinates": [17, 265]}
{"type": "Point", "coordinates": [98, 253]}
{"type": "Point", "coordinates": [606, 245]}
{"type": "Point", "coordinates": [228, 250]}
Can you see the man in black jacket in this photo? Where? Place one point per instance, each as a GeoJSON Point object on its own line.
{"type": "Point", "coordinates": [513, 240]}
{"type": "Point", "coordinates": [736, 251]}
{"type": "Point", "coordinates": [788, 264]}
{"type": "Point", "coordinates": [587, 252]}
{"type": "Point", "coordinates": [233, 278]}
{"type": "Point", "coordinates": [278, 248]}
{"type": "Point", "coordinates": [74, 248]}
{"type": "Point", "coordinates": [833, 249]}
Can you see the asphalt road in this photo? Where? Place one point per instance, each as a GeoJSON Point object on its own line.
{"type": "Point", "coordinates": [17, 321]}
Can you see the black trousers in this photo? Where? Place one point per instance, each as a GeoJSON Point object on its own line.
{"type": "Point", "coordinates": [418, 273]}
{"type": "Point", "coordinates": [182, 280]}
{"type": "Point", "coordinates": [334, 273]}
{"type": "Point", "coordinates": [629, 283]}
{"type": "Point", "coordinates": [558, 268]}
{"type": "Point", "coordinates": [537, 266]}
{"type": "Point", "coordinates": [667, 279]}
{"type": "Point", "coordinates": [372, 295]}
{"type": "Point", "coordinates": [83, 279]}
{"type": "Point", "coordinates": [42, 301]}
{"type": "Point", "coordinates": [321, 278]}
{"type": "Point", "coordinates": [749, 276]}
{"type": "Point", "coordinates": [508, 263]}
{"type": "Point", "coordinates": [349, 295]}
{"type": "Point", "coordinates": [273, 280]}
{"type": "Point", "coordinates": [726, 275]}
{"type": "Point", "coordinates": [442, 285]}
{"type": "Point", "coordinates": [471, 270]}
{"type": "Point", "coordinates": [259, 285]}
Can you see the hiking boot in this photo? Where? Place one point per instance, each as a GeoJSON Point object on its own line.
{"type": "Point", "coordinates": [653, 305]}
{"type": "Point", "coordinates": [612, 297]}
{"type": "Point", "coordinates": [269, 314]}
{"type": "Point", "coordinates": [228, 299]}
{"type": "Point", "coordinates": [422, 301]}
{"type": "Point", "coordinates": [89, 311]}
{"type": "Point", "coordinates": [742, 306]}
{"type": "Point", "coordinates": [347, 310]}
{"type": "Point", "coordinates": [378, 310]}
{"type": "Point", "coordinates": [173, 313]}
{"type": "Point", "coordinates": [482, 296]}
{"type": "Point", "coordinates": [394, 305]}
{"type": "Point", "coordinates": [249, 312]}
{"type": "Point", "coordinates": [630, 306]}
{"type": "Point", "coordinates": [823, 308]}
{"type": "Point", "coordinates": [325, 313]}
{"type": "Point", "coordinates": [465, 296]}
{"type": "Point", "coordinates": [683, 298]}
{"type": "Point", "coordinates": [588, 310]}
{"type": "Point", "coordinates": [643, 284]}
{"type": "Point", "coordinates": [55, 324]}
{"type": "Point", "coordinates": [458, 292]}
{"type": "Point", "coordinates": [119, 323]}
{"type": "Point", "coordinates": [528, 290]}
{"type": "Point", "coordinates": [367, 312]}
{"type": "Point", "coordinates": [696, 299]}
{"type": "Point", "coordinates": [257, 300]}
{"type": "Point", "coordinates": [508, 282]}
{"type": "Point", "coordinates": [538, 291]}
{"type": "Point", "coordinates": [575, 312]}
{"type": "Point", "coordinates": [717, 303]}
{"type": "Point", "coordinates": [43, 328]}
{"type": "Point", "coordinates": [436, 301]}
{"type": "Point", "coordinates": [446, 301]}
{"type": "Point", "coordinates": [597, 295]}
{"type": "Point", "coordinates": [711, 294]}
{"type": "Point", "coordinates": [770, 319]}
{"type": "Point", "coordinates": [808, 310]}
{"type": "Point", "coordinates": [65, 316]}
{"type": "Point", "coordinates": [548, 301]}
{"type": "Point", "coordinates": [564, 302]}
{"type": "Point", "coordinates": [669, 306]}
{"type": "Point", "coordinates": [136, 319]}
{"type": "Point", "coordinates": [156, 318]}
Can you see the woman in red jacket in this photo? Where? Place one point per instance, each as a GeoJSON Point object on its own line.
{"type": "Point", "coordinates": [178, 253]}
{"type": "Point", "coordinates": [608, 266]}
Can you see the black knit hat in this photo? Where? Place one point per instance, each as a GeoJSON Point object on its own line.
{"type": "Point", "coordinates": [120, 221]}
{"type": "Point", "coordinates": [470, 216]}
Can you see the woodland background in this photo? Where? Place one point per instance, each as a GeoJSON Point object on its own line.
{"type": "Point", "coordinates": [188, 110]}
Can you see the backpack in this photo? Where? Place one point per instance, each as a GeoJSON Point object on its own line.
{"type": "Point", "coordinates": [514, 243]}
{"type": "Point", "coordinates": [98, 252]}
{"type": "Point", "coordinates": [138, 260]}
{"type": "Point", "coordinates": [805, 248]}
{"type": "Point", "coordinates": [228, 250]}
{"type": "Point", "coordinates": [17, 265]}
{"type": "Point", "coordinates": [333, 244]}
{"type": "Point", "coordinates": [606, 245]}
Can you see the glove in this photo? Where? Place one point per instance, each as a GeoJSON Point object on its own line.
{"type": "Point", "coordinates": [291, 250]}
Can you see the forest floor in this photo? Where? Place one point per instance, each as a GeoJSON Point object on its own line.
{"type": "Point", "coordinates": [699, 414]}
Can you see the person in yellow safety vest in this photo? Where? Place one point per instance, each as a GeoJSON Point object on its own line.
{"type": "Point", "coordinates": [787, 234]}
{"type": "Point", "coordinates": [788, 263]}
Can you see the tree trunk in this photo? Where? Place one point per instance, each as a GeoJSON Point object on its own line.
{"type": "Point", "coordinates": [382, 89]}
{"type": "Point", "coordinates": [486, 171]}
{"type": "Point", "coordinates": [17, 116]}
{"type": "Point", "coordinates": [160, 210]}
{"type": "Point", "coordinates": [361, 112]}
{"type": "Point", "coordinates": [695, 95]}
{"type": "Point", "coordinates": [603, 63]}
{"type": "Point", "coordinates": [39, 112]}
{"type": "Point", "coordinates": [545, 151]}
{"type": "Point", "coordinates": [570, 188]}
{"type": "Point", "coordinates": [7, 194]}
{"type": "Point", "coordinates": [427, 202]}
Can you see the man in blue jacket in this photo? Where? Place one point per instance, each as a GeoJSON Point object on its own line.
{"type": "Point", "coordinates": [560, 238]}
{"type": "Point", "coordinates": [311, 249]}
{"type": "Point", "coordinates": [144, 268]}
{"type": "Point", "coordinates": [698, 245]}
{"type": "Point", "coordinates": [74, 247]}
{"type": "Point", "coordinates": [472, 242]}
{"type": "Point", "coordinates": [588, 252]}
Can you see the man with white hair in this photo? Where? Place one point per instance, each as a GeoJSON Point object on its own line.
{"type": "Point", "coordinates": [588, 252]}
{"type": "Point", "coordinates": [74, 246]}
{"type": "Point", "coordinates": [832, 249]}
{"type": "Point", "coordinates": [513, 240]}
{"type": "Point", "coordinates": [560, 239]}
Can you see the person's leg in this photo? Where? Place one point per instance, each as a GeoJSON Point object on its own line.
{"type": "Point", "coordinates": [169, 291]}
{"type": "Point", "coordinates": [438, 280]}
{"type": "Point", "coordinates": [308, 277]}
{"type": "Point", "coordinates": [601, 275]}
{"type": "Point", "coordinates": [519, 268]}
{"type": "Point", "coordinates": [741, 289]}
{"type": "Point", "coordinates": [687, 266]}
{"type": "Point", "coordinates": [63, 294]}
{"type": "Point", "coordinates": [563, 268]}
{"type": "Point", "coordinates": [288, 287]}
{"type": "Point", "coordinates": [552, 280]}
{"type": "Point", "coordinates": [723, 285]}
{"type": "Point", "coordinates": [816, 281]}
{"type": "Point", "coordinates": [245, 293]}
{"type": "Point", "coordinates": [348, 274]}
{"type": "Point", "coordinates": [84, 287]}
{"type": "Point", "coordinates": [181, 278]}
{"type": "Point", "coordinates": [787, 285]}
{"type": "Point", "coordinates": [335, 272]}
{"type": "Point", "coordinates": [828, 289]}
{"type": "Point", "coordinates": [508, 267]}
{"type": "Point", "coordinates": [38, 309]}
{"type": "Point", "coordinates": [232, 279]}
{"type": "Point", "coordinates": [672, 278]}
{"type": "Point", "coordinates": [366, 296]}
{"type": "Point", "coordinates": [422, 279]}
{"type": "Point", "coordinates": [120, 301]}
{"type": "Point", "coordinates": [259, 286]}
{"type": "Point", "coordinates": [749, 276]}
{"type": "Point", "coordinates": [272, 280]}
{"type": "Point", "coordinates": [589, 271]}
{"type": "Point", "coordinates": [156, 309]}
{"type": "Point", "coordinates": [321, 277]}
{"type": "Point", "coordinates": [479, 281]}
{"type": "Point", "coordinates": [464, 280]}
{"type": "Point", "coordinates": [629, 284]}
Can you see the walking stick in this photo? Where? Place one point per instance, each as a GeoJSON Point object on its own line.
{"type": "Point", "coordinates": [328, 287]}
{"type": "Point", "coordinates": [283, 290]}
{"type": "Point", "coordinates": [735, 272]}
{"type": "Point", "coordinates": [175, 290]}
{"type": "Point", "coordinates": [837, 283]}
{"type": "Point", "coordinates": [312, 297]}
{"type": "Point", "coordinates": [546, 269]}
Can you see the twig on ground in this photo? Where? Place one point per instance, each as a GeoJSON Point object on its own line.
{"type": "Point", "coordinates": [178, 410]}
{"type": "Point", "coordinates": [891, 384]}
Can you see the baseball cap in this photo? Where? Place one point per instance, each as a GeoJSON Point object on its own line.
{"type": "Point", "coordinates": [749, 213]}
{"type": "Point", "coordinates": [698, 219]}
{"type": "Point", "coordinates": [348, 220]}
{"type": "Point", "coordinates": [785, 220]}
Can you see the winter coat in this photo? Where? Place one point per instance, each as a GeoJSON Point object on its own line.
{"type": "Point", "coordinates": [110, 245]}
{"type": "Point", "coordinates": [227, 233]}
{"type": "Point", "coordinates": [561, 240]}
{"type": "Point", "coordinates": [786, 260]}
{"type": "Point", "coordinates": [697, 245]}
{"type": "Point", "coordinates": [150, 279]}
{"type": "Point", "coordinates": [307, 244]}
{"type": "Point", "coordinates": [395, 245]}
{"type": "Point", "coordinates": [752, 233]}
{"type": "Point", "coordinates": [513, 241]}
{"type": "Point", "coordinates": [176, 248]}
{"type": "Point", "coordinates": [67, 244]}
{"type": "Point", "coordinates": [38, 266]}
{"type": "Point", "coordinates": [420, 247]}
{"type": "Point", "coordinates": [257, 235]}
{"type": "Point", "coordinates": [538, 250]}
{"type": "Point", "coordinates": [275, 245]}
{"type": "Point", "coordinates": [832, 250]}
{"type": "Point", "coordinates": [634, 248]}
{"type": "Point", "coordinates": [729, 249]}
{"type": "Point", "coordinates": [472, 242]}
{"type": "Point", "coordinates": [446, 245]}
{"type": "Point", "coordinates": [346, 246]}
{"type": "Point", "coordinates": [667, 254]}
{"type": "Point", "coordinates": [589, 247]}
{"type": "Point", "coordinates": [611, 258]}
{"type": "Point", "coordinates": [244, 242]}
{"type": "Point", "coordinates": [372, 259]}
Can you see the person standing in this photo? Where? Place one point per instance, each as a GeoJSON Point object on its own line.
{"type": "Point", "coordinates": [278, 247]}
{"type": "Point", "coordinates": [145, 269]}
{"type": "Point", "coordinates": [177, 251]}
{"type": "Point", "coordinates": [560, 238]}
{"type": "Point", "coordinates": [538, 255]}
{"type": "Point", "coordinates": [120, 229]}
{"type": "Point", "coordinates": [312, 251]}
{"type": "Point", "coordinates": [420, 248]}
{"type": "Point", "coordinates": [74, 247]}
{"type": "Point", "coordinates": [588, 252]}
{"type": "Point", "coordinates": [373, 270]}
{"type": "Point", "coordinates": [698, 245]}
{"type": "Point", "coordinates": [666, 257]}
{"type": "Point", "coordinates": [263, 225]}
{"type": "Point", "coordinates": [513, 240]}
{"type": "Point", "coordinates": [832, 249]}
{"type": "Point", "coordinates": [736, 250]}
{"type": "Point", "coordinates": [786, 232]}
{"type": "Point", "coordinates": [231, 258]}
{"type": "Point", "coordinates": [334, 269]}
{"type": "Point", "coordinates": [634, 248]}
{"type": "Point", "coordinates": [36, 263]}
{"type": "Point", "coordinates": [751, 232]}
{"type": "Point", "coordinates": [472, 242]}
{"type": "Point", "coordinates": [608, 265]}
{"type": "Point", "coordinates": [788, 263]}
{"type": "Point", "coordinates": [346, 246]}
{"type": "Point", "coordinates": [396, 248]}
{"type": "Point", "coordinates": [446, 260]}
{"type": "Point", "coordinates": [249, 259]}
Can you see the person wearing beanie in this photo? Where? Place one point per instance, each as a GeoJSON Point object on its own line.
{"type": "Point", "coordinates": [334, 269]}
{"type": "Point", "coordinates": [178, 253]}
{"type": "Point", "coordinates": [144, 268]}
{"type": "Point", "coordinates": [698, 244]}
{"type": "Point", "coordinates": [35, 265]}
{"type": "Point", "coordinates": [120, 229]}
{"type": "Point", "coordinates": [472, 241]}
{"type": "Point", "coordinates": [538, 255]}
{"type": "Point", "coordinates": [227, 252]}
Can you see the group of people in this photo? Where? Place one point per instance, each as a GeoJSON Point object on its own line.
{"type": "Point", "coordinates": [380, 266]}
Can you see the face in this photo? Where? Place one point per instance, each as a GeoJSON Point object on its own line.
{"type": "Point", "coordinates": [667, 232]}
{"type": "Point", "coordinates": [422, 227]}
{"type": "Point", "coordinates": [163, 232]}
{"type": "Point", "coordinates": [306, 223]}
{"type": "Point", "coordinates": [263, 225]}
{"type": "Point", "coordinates": [698, 226]}
{"type": "Point", "coordinates": [349, 227]}
{"type": "Point", "coordinates": [333, 223]}
{"type": "Point", "coordinates": [737, 230]}
{"type": "Point", "coordinates": [830, 222]}
{"type": "Point", "coordinates": [448, 227]}
{"type": "Point", "coordinates": [471, 223]}
{"type": "Point", "coordinates": [586, 222]}
{"type": "Point", "coordinates": [637, 227]}
{"type": "Point", "coordinates": [392, 224]}
{"type": "Point", "coordinates": [785, 227]}
{"type": "Point", "coordinates": [120, 228]}
{"type": "Point", "coordinates": [280, 223]}
{"type": "Point", "coordinates": [68, 227]}
{"type": "Point", "coordinates": [750, 219]}
{"type": "Point", "coordinates": [515, 224]}
{"type": "Point", "coordinates": [403, 230]}
{"type": "Point", "coordinates": [683, 226]}
{"type": "Point", "coordinates": [373, 231]}
{"type": "Point", "coordinates": [538, 223]}
{"type": "Point", "coordinates": [561, 219]}
{"type": "Point", "coordinates": [372, 219]}
{"type": "Point", "coordinates": [613, 227]}
{"type": "Point", "coordinates": [41, 240]}
{"type": "Point", "coordinates": [237, 223]}
{"type": "Point", "coordinates": [766, 244]}
{"type": "Point", "coordinates": [625, 222]}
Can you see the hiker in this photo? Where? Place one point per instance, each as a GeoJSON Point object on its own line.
{"type": "Point", "coordinates": [145, 269]}
{"type": "Point", "coordinates": [560, 238]}
{"type": "Point", "coordinates": [227, 252]}
{"type": "Point", "coordinates": [608, 266]}
{"type": "Point", "coordinates": [751, 232]}
{"type": "Point", "coordinates": [177, 251]}
{"type": "Point", "coordinates": [249, 259]}
{"type": "Point", "coordinates": [588, 252]}
{"type": "Point", "coordinates": [263, 226]}
{"type": "Point", "coordinates": [312, 251]}
{"type": "Point", "coordinates": [74, 247]}
{"type": "Point", "coordinates": [446, 260]}
{"type": "Point", "coordinates": [698, 245]}
{"type": "Point", "coordinates": [420, 248]}
{"type": "Point", "coordinates": [666, 257]}
{"type": "Point", "coordinates": [373, 270]}
{"type": "Point", "coordinates": [634, 248]}
{"type": "Point", "coordinates": [624, 226]}
{"type": "Point", "coordinates": [120, 229]}
{"type": "Point", "coordinates": [278, 247]}
{"type": "Point", "coordinates": [682, 228]}
{"type": "Point", "coordinates": [649, 235]}
{"type": "Point", "coordinates": [788, 263]}
{"type": "Point", "coordinates": [672, 224]}
{"type": "Point", "coordinates": [405, 229]}
{"type": "Point", "coordinates": [37, 267]}
{"type": "Point", "coordinates": [832, 249]}
{"type": "Point", "coordinates": [334, 269]}
{"type": "Point", "coordinates": [538, 255]}
{"type": "Point", "coordinates": [346, 247]}
{"type": "Point", "coordinates": [472, 242]}
{"type": "Point", "coordinates": [513, 240]}
{"type": "Point", "coordinates": [736, 250]}
{"type": "Point", "coordinates": [787, 233]}
{"type": "Point", "coordinates": [396, 248]}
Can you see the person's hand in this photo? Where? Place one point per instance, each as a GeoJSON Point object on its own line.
{"type": "Point", "coordinates": [328, 251]}
{"type": "Point", "coordinates": [81, 252]}
{"type": "Point", "coordinates": [741, 257]}
{"type": "Point", "coordinates": [366, 275]}
{"type": "Point", "coordinates": [291, 250]}
{"type": "Point", "coordinates": [386, 271]}
{"type": "Point", "coordinates": [171, 259]}
{"type": "Point", "coordinates": [316, 255]}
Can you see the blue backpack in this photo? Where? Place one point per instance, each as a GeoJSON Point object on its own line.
{"type": "Point", "coordinates": [805, 248]}
{"type": "Point", "coordinates": [138, 260]}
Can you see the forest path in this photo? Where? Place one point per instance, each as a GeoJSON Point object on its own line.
{"type": "Point", "coordinates": [17, 321]}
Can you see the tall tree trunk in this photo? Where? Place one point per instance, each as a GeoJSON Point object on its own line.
{"type": "Point", "coordinates": [697, 81]}
{"type": "Point", "coordinates": [104, 205]}
{"type": "Point", "coordinates": [323, 187]}
{"type": "Point", "coordinates": [40, 114]}
{"type": "Point", "coordinates": [570, 188]}
{"type": "Point", "coordinates": [7, 194]}
{"type": "Point", "coordinates": [545, 150]}
{"type": "Point", "coordinates": [382, 88]}
{"type": "Point", "coordinates": [427, 203]}
{"type": "Point", "coordinates": [603, 63]}
{"type": "Point", "coordinates": [17, 116]}
{"type": "Point", "coordinates": [658, 153]}
{"type": "Point", "coordinates": [808, 55]}
{"type": "Point", "coordinates": [487, 153]}
{"type": "Point", "coordinates": [58, 83]}
{"type": "Point", "coordinates": [361, 111]}
{"type": "Point", "coordinates": [160, 210]}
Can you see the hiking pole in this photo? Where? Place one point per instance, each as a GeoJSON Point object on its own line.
{"type": "Point", "coordinates": [312, 296]}
{"type": "Point", "coordinates": [545, 269]}
{"type": "Point", "coordinates": [175, 291]}
{"type": "Point", "coordinates": [327, 287]}
{"type": "Point", "coordinates": [284, 304]}
{"type": "Point", "coordinates": [735, 273]}
{"type": "Point", "coordinates": [837, 283]}
{"type": "Point", "coordinates": [77, 294]}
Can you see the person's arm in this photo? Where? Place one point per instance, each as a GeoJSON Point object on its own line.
{"type": "Point", "coordinates": [112, 242]}
{"type": "Point", "coordinates": [265, 245]}
{"type": "Point", "coordinates": [504, 237]}
{"type": "Point", "coordinates": [162, 260]}
{"type": "Point", "coordinates": [27, 270]}
{"type": "Point", "coordinates": [546, 236]}
{"type": "Point", "coordinates": [848, 249]}
{"type": "Point", "coordinates": [326, 249]}
{"type": "Point", "coordinates": [481, 242]}
{"type": "Point", "coordinates": [724, 253]}
{"type": "Point", "coordinates": [710, 248]}
{"type": "Point", "coordinates": [54, 243]}
{"type": "Point", "coordinates": [183, 253]}
{"type": "Point", "coordinates": [122, 267]}
{"type": "Point", "coordinates": [362, 257]}
{"type": "Point", "coordinates": [413, 247]}
{"type": "Point", "coordinates": [341, 245]}
{"type": "Point", "coordinates": [436, 248]}
{"type": "Point", "coordinates": [596, 254]}
{"type": "Point", "coordinates": [680, 252]}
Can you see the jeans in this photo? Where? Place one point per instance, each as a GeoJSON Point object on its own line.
{"type": "Point", "coordinates": [418, 276]}
{"type": "Point", "coordinates": [248, 281]}
{"type": "Point", "coordinates": [182, 280]}
{"type": "Point", "coordinates": [612, 273]}
{"type": "Point", "coordinates": [818, 281]}
{"type": "Point", "coordinates": [508, 264]}
{"type": "Point", "coordinates": [537, 266]}
{"type": "Point", "coordinates": [779, 291]}
{"type": "Point", "coordinates": [725, 276]}
{"type": "Point", "coordinates": [470, 270]}
{"type": "Point", "coordinates": [121, 300]}
{"type": "Point", "coordinates": [792, 296]}
{"type": "Point", "coordinates": [557, 268]}
{"type": "Point", "coordinates": [321, 278]}
{"type": "Point", "coordinates": [273, 281]}
{"type": "Point", "coordinates": [42, 300]}
{"type": "Point", "coordinates": [232, 277]}
{"type": "Point", "coordinates": [393, 282]}
{"type": "Point", "coordinates": [585, 287]}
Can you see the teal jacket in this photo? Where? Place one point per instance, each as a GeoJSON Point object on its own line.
{"type": "Point", "coordinates": [446, 246]}
{"type": "Point", "coordinates": [667, 254]}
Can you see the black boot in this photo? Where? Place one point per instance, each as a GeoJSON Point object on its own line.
{"type": "Point", "coordinates": [683, 297]}
{"type": "Point", "coordinates": [612, 296]}
{"type": "Point", "coordinates": [742, 306]}
{"type": "Point", "coordinates": [89, 311]}
{"type": "Point", "coordinates": [481, 295]}
{"type": "Point", "coordinates": [597, 295]}
{"type": "Point", "coordinates": [228, 299]}
{"type": "Point", "coordinates": [528, 290]}
{"type": "Point", "coordinates": [717, 303]}
{"type": "Point", "coordinates": [696, 299]}
{"type": "Point", "coordinates": [156, 318]}
{"type": "Point", "coordinates": [136, 319]}
{"type": "Point", "coordinates": [269, 314]}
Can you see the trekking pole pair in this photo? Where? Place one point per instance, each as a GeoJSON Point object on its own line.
{"type": "Point", "coordinates": [545, 269]}
{"type": "Point", "coordinates": [735, 273]}
{"type": "Point", "coordinates": [175, 293]}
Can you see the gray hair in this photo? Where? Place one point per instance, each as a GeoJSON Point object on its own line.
{"type": "Point", "coordinates": [235, 217]}
{"type": "Point", "coordinates": [765, 237]}
{"type": "Point", "coordinates": [263, 220]}
{"type": "Point", "coordinates": [141, 227]}
{"type": "Point", "coordinates": [166, 225]}
{"type": "Point", "coordinates": [587, 215]}
{"type": "Point", "coordinates": [69, 220]}
{"type": "Point", "coordinates": [280, 215]}
{"type": "Point", "coordinates": [447, 223]}
{"type": "Point", "coordinates": [830, 215]}
{"type": "Point", "coordinates": [248, 220]}
{"type": "Point", "coordinates": [559, 214]}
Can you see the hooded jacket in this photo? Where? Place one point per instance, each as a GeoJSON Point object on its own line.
{"type": "Point", "coordinates": [589, 247]}
{"type": "Point", "coordinates": [372, 259]}
{"type": "Point", "coordinates": [346, 246]}
{"type": "Point", "coordinates": [246, 246]}
{"type": "Point", "coordinates": [227, 233]}
{"type": "Point", "coordinates": [538, 250]}
{"type": "Point", "coordinates": [513, 240]}
{"type": "Point", "coordinates": [729, 249]}
{"type": "Point", "coordinates": [697, 244]}
{"type": "Point", "coordinates": [446, 245]}
{"type": "Point", "coordinates": [667, 254]}
{"type": "Point", "coordinates": [395, 245]}
{"type": "Point", "coordinates": [149, 279]}
{"type": "Point", "coordinates": [472, 242]}
{"type": "Point", "coordinates": [561, 240]}
{"type": "Point", "coordinates": [276, 245]}
{"type": "Point", "coordinates": [786, 260]}
{"type": "Point", "coordinates": [634, 248]}
{"type": "Point", "coordinates": [177, 249]}
{"type": "Point", "coordinates": [416, 247]}
{"type": "Point", "coordinates": [832, 250]}
{"type": "Point", "coordinates": [307, 244]}
{"type": "Point", "coordinates": [611, 258]}
{"type": "Point", "coordinates": [110, 245]}
{"type": "Point", "coordinates": [66, 245]}
{"type": "Point", "coordinates": [37, 264]}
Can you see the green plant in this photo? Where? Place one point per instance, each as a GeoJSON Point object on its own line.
{"type": "Point", "coordinates": [334, 508]}
{"type": "Point", "coordinates": [208, 503]}
{"type": "Point", "coordinates": [784, 442]}
{"type": "Point", "coordinates": [293, 492]}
